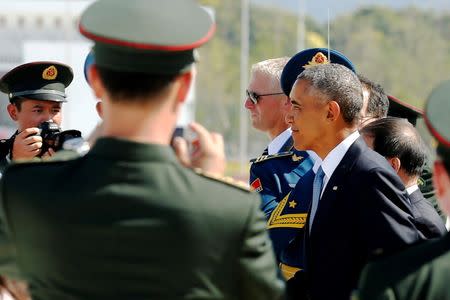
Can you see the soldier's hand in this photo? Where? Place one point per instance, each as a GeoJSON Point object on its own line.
{"type": "Point", "coordinates": [48, 154]}
{"type": "Point", "coordinates": [27, 144]}
{"type": "Point", "coordinates": [207, 152]}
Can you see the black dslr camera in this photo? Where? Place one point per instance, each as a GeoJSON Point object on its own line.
{"type": "Point", "coordinates": [53, 137]}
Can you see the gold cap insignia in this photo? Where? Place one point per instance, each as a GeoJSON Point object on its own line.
{"type": "Point", "coordinates": [50, 73]}
{"type": "Point", "coordinates": [318, 59]}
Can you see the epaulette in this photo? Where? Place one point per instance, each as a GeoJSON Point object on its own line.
{"type": "Point", "coordinates": [262, 158]}
{"type": "Point", "coordinates": [224, 179]}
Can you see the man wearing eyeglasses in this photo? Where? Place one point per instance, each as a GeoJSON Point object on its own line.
{"type": "Point", "coordinates": [268, 106]}
{"type": "Point", "coordinates": [278, 169]}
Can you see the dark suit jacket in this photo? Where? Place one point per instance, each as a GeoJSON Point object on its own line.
{"type": "Point", "coordinates": [127, 221]}
{"type": "Point", "coordinates": [364, 211]}
{"type": "Point", "coordinates": [418, 273]}
{"type": "Point", "coordinates": [426, 218]}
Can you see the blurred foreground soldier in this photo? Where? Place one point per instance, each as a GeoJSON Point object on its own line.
{"type": "Point", "coordinates": [36, 92]}
{"type": "Point", "coordinates": [400, 143]}
{"type": "Point", "coordinates": [128, 221]}
{"type": "Point", "coordinates": [359, 208]}
{"type": "Point", "coordinates": [422, 271]}
{"type": "Point", "coordinates": [401, 109]}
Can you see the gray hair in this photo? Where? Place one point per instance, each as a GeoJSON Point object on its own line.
{"type": "Point", "coordinates": [334, 82]}
{"type": "Point", "coordinates": [272, 67]}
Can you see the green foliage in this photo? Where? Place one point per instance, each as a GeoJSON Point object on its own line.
{"type": "Point", "coordinates": [407, 51]}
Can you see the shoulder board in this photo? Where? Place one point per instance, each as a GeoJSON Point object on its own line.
{"type": "Point", "coordinates": [277, 155]}
{"type": "Point", "coordinates": [224, 179]}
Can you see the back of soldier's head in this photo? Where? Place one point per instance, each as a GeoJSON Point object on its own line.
{"type": "Point", "coordinates": [154, 43]}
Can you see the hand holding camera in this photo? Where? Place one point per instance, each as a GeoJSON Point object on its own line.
{"type": "Point", "coordinates": [42, 141]}
{"type": "Point", "coordinates": [27, 144]}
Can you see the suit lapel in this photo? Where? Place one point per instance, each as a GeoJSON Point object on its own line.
{"type": "Point", "coordinates": [336, 182]}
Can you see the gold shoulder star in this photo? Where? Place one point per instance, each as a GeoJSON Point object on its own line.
{"type": "Point", "coordinates": [292, 204]}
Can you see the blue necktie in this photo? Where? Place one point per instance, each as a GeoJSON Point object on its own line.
{"type": "Point", "coordinates": [317, 189]}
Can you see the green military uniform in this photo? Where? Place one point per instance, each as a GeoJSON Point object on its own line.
{"type": "Point", "coordinates": [422, 271]}
{"type": "Point", "coordinates": [127, 221]}
{"type": "Point", "coordinates": [401, 109]}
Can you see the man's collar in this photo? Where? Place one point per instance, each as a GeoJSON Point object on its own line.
{"type": "Point", "coordinates": [333, 158]}
{"type": "Point", "coordinates": [276, 144]}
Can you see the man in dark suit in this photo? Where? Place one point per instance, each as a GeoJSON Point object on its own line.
{"type": "Point", "coordinates": [400, 143]}
{"type": "Point", "coordinates": [360, 208]}
{"type": "Point", "coordinates": [127, 221]}
{"type": "Point", "coordinates": [401, 109]}
{"type": "Point", "coordinates": [277, 174]}
{"type": "Point", "coordinates": [422, 271]}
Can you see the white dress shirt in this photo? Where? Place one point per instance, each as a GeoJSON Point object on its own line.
{"type": "Point", "coordinates": [412, 189]}
{"type": "Point", "coordinates": [332, 160]}
{"type": "Point", "coordinates": [278, 142]}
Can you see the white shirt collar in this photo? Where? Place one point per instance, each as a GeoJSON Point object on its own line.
{"type": "Point", "coordinates": [278, 142]}
{"type": "Point", "coordinates": [412, 189]}
{"type": "Point", "coordinates": [316, 159]}
{"type": "Point", "coordinates": [332, 160]}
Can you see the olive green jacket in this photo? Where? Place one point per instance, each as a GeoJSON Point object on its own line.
{"type": "Point", "coordinates": [126, 221]}
{"type": "Point", "coordinates": [418, 273]}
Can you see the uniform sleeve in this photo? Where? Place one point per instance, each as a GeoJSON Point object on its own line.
{"type": "Point", "coordinates": [8, 265]}
{"type": "Point", "coordinates": [388, 224]}
{"type": "Point", "coordinates": [258, 273]}
{"type": "Point", "coordinates": [266, 185]}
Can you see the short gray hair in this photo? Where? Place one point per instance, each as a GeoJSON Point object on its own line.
{"type": "Point", "coordinates": [334, 82]}
{"type": "Point", "coordinates": [272, 67]}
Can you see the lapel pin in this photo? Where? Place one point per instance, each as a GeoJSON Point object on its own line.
{"type": "Point", "coordinates": [335, 188]}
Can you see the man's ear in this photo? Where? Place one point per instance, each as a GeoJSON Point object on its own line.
{"type": "Point", "coordinates": [334, 110]}
{"type": "Point", "coordinates": [99, 109]}
{"type": "Point", "coordinates": [96, 82]}
{"type": "Point", "coordinates": [184, 83]}
{"type": "Point", "coordinates": [395, 163]}
{"type": "Point", "coordinates": [12, 111]}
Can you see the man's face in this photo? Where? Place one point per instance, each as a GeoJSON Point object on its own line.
{"type": "Point", "coordinates": [269, 113]}
{"type": "Point", "coordinates": [308, 117]}
{"type": "Point", "coordinates": [34, 112]}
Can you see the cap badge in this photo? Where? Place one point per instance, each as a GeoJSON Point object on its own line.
{"type": "Point", "coordinates": [318, 59]}
{"type": "Point", "coordinates": [50, 73]}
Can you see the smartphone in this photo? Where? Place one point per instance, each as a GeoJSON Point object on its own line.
{"type": "Point", "coordinates": [189, 135]}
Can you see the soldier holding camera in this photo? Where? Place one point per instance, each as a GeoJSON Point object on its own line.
{"type": "Point", "coordinates": [36, 92]}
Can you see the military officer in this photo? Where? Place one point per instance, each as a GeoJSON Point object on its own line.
{"type": "Point", "coordinates": [278, 169]}
{"type": "Point", "coordinates": [422, 271]}
{"type": "Point", "coordinates": [36, 92]}
{"type": "Point", "coordinates": [287, 218]}
{"type": "Point", "coordinates": [128, 221]}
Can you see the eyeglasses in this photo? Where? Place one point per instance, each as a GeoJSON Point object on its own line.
{"type": "Point", "coordinates": [254, 97]}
